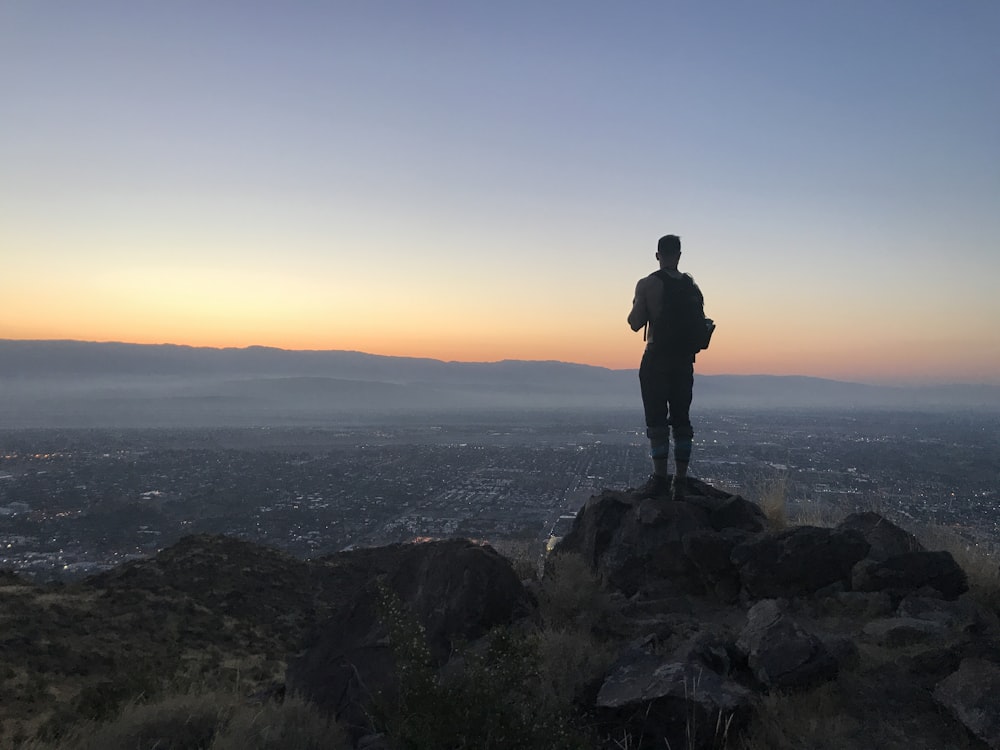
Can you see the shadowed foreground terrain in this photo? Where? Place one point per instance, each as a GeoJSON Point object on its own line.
{"type": "Point", "coordinates": [695, 623]}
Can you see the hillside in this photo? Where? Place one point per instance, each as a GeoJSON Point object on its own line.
{"type": "Point", "coordinates": [697, 621]}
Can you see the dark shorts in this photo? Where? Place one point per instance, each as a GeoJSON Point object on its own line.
{"type": "Point", "coordinates": [667, 385]}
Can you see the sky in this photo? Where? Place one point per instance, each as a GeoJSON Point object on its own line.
{"type": "Point", "coordinates": [479, 181]}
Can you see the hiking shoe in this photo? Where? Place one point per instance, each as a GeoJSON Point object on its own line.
{"type": "Point", "coordinates": [655, 486]}
{"type": "Point", "coordinates": [679, 488]}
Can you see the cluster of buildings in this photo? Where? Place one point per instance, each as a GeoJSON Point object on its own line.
{"type": "Point", "coordinates": [72, 503]}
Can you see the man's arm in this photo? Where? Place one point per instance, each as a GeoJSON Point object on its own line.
{"type": "Point", "coordinates": [640, 311]}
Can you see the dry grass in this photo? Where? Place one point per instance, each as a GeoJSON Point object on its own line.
{"type": "Point", "coordinates": [770, 492]}
{"type": "Point", "coordinates": [205, 721]}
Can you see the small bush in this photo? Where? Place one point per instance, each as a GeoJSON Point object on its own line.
{"type": "Point", "coordinates": [492, 698]}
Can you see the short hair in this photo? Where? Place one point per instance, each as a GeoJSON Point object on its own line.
{"type": "Point", "coordinates": [669, 244]}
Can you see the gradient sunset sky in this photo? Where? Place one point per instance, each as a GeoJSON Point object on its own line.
{"type": "Point", "coordinates": [487, 180]}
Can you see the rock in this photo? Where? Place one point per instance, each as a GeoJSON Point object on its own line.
{"type": "Point", "coordinates": [710, 553]}
{"type": "Point", "coordinates": [737, 513]}
{"type": "Point", "coordinates": [970, 694]}
{"type": "Point", "coordinates": [657, 702]}
{"type": "Point", "coordinates": [798, 561]}
{"type": "Point", "coordinates": [374, 742]}
{"type": "Point", "coordinates": [596, 525]}
{"type": "Point", "coordinates": [852, 605]}
{"type": "Point", "coordinates": [633, 546]}
{"type": "Point", "coordinates": [780, 652]}
{"type": "Point", "coordinates": [638, 544]}
{"type": "Point", "coordinates": [842, 648]}
{"type": "Point", "coordinates": [960, 616]}
{"type": "Point", "coordinates": [455, 589]}
{"type": "Point", "coordinates": [886, 538]}
{"type": "Point", "coordinates": [904, 631]}
{"type": "Point", "coordinates": [909, 572]}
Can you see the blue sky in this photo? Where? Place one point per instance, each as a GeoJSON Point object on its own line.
{"type": "Point", "coordinates": [488, 180]}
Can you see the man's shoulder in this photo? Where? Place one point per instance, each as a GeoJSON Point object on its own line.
{"type": "Point", "coordinates": [645, 281]}
{"type": "Point", "coordinates": [666, 275]}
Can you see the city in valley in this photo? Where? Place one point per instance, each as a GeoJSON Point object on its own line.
{"type": "Point", "coordinates": [76, 501]}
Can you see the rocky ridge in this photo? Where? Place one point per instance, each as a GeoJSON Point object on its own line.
{"type": "Point", "coordinates": [709, 613]}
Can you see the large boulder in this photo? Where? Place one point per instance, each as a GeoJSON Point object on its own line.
{"type": "Point", "coordinates": [455, 590]}
{"type": "Point", "coordinates": [726, 511]}
{"type": "Point", "coordinates": [652, 701]}
{"type": "Point", "coordinates": [798, 562]}
{"type": "Point", "coordinates": [886, 538]}
{"type": "Point", "coordinates": [970, 694]}
{"type": "Point", "coordinates": [636, 544]}
{"type": "Point", "coordinates": [895, 632]}
{"type": "Point", "coordinates": [962, 616]}
{"type": "Point", "coordinates": [780, 652]}
{"type": "Point", "coordinates": [910, 572]}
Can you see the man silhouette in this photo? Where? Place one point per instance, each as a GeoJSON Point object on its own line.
{"type": "Point", "coordinates": [666, 375]}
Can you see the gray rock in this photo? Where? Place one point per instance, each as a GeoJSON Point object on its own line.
{"type": "Point", "coordinates": [886, 538]}
{"type": "Point", "coordinates": [638, 545]}
{"type": "Point", "coordinates": [798, 561]}
{"type": "Point", "coordinates": [855, 605]}
{"type": "Point", "coordinates": [909, 572]}
{"type": "Point", "coordinates": [680, 703]}
{"type": "Point", "coordinates": [970, 694]}
{"type": "Point", "coordinates": [904, 631]}
{"type": "Point", "coordinates": [710, 553]}
{"type": "Point", "coordinates": [738, 513]}
{"type": "Point", "coordinates": [959, 616]}
{"type": "Point", "coordinates": [780, 652]}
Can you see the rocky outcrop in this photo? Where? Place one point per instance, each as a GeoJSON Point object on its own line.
{"type": "Point", "coordinates": [705, 610]}
{"type": "Point", "coordinates": [640, 544]}
{"type": "Point", "coordinates": [805, 598]}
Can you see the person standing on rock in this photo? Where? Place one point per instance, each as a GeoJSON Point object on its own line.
{"type": "Point", "coordinates": [666, 374]}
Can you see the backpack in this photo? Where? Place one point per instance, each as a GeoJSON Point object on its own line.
{"type": "Point", "coordinates": [682, 326]}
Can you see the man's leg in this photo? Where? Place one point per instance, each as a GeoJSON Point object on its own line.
{"type": "Point", "coordinates": [681, 392]}
{"type": "Point", "coordinates": [653, 383]}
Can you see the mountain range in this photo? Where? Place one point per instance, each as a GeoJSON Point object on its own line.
{"type": "Point", "coordinates": [83, 384]}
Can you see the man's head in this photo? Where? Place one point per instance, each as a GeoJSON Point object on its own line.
{"type": "Point", "coordinates": [668, 250]}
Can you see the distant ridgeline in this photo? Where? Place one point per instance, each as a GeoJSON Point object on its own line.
{"type": "Point", "coordinates": [72, 383]}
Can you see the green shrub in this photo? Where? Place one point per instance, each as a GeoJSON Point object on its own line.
{"type": "Point", "coordinates": [493, 697]}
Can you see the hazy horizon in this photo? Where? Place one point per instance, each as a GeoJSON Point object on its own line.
{"type": "Point", "coordinates": [887, 382]}
{"type": "Point", "coordinates": [73, 383]}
